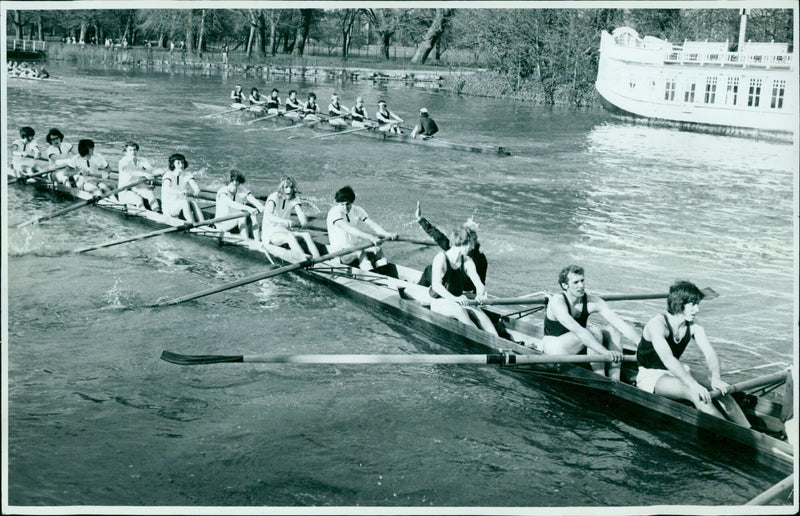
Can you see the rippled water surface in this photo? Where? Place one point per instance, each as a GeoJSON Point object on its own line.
{"type": "Point", "coordinates": [95, 418]}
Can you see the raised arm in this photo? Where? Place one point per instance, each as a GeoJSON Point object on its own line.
{"type": "Point", "coordinates": [432, 231]}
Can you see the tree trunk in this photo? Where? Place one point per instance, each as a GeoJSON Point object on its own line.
{"type": "Point", "coordinates": [262, 34]}
{"type": "Point", "coordinates": [273, 42]}
{"type": "Point", "coordinates": [39, 24]}
{"type": "Point", "coordinates": [201, 31]}
{"type": "Point", "coordinates": [386, 38]}
{"type": "Point", "coordinates": [18, 25]}
{"type": "Point", "coordinates": [82, 36]}
{"type": "Point", "coordinates": [302, 34]}
{"type": "Point", "coordinates": [189, 31]}
{"type": "Point", "coordinates": [432, 36]}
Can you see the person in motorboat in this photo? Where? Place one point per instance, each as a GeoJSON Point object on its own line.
{"type": "Point", "coordinates": [665, 338]}
{"type": "Point", "coordinates": [349, 226]}
{"type": "Point", "coordinates": [234, 197]}
{"type": "Point", "coordinates": [90, 169]}
{"type": "Point", "coordinates": [237, 97]}
{"type": "Point", "coordinates": [565, 323]}
{"type": "Point", "coordinates": [133, 168]}
{"type": "Point", "coordinates": [337, 111]}
{"type": "Point", "coordinates": [277, 225]}
{"type": "Point", "coordinates": [449, 272]}
{"type": "Point", "coordinates": [293, 106]}
{"type": "Point", "coordinates": [426, 126]}
{"type": "Point", "coordinates": [273, 102]}
{"type": "Point", "coordinates": [388, 120]}
{"type": "Point", "coordinates": [310, 109]}
{"type": "Point", "coordinates": [256, 100]}
{"type": "Point", "coordinates": [475, 253]}
{"type": "Point", "coordinates": [177, 185]}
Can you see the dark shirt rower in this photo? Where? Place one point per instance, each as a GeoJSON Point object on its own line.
{"type": "Point", "coordinates": [426, 126]}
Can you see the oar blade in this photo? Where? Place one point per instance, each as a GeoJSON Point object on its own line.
{"type": "Point", "coordinates": [180, 359]}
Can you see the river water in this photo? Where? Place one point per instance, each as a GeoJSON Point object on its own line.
{"type": "Point", "coordinates": [95, 418]}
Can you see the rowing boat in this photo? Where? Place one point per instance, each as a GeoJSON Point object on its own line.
{"type": "Point", "coordinates": [402, 300]}
{"type": "Point", "coordinates": [435, 141]}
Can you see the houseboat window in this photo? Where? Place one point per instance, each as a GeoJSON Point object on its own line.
{"type": "Point", "coordinates": [733, 91]}
{"type": "Point", "coordinates": [778, 88]}
{"type": "Point", "coordinates": [669, 91]}
{"type": "Point", "coordinates": [688, 95]}
{"type": "Point", "coordinates": [711, 90]}
{"type": "Point", "coordinates": [754, 94]}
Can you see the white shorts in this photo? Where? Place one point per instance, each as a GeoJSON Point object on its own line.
{"type": "Point", "coordinates": [646, 379]}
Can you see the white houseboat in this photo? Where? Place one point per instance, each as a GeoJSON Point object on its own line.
{"type": "Point", "coordinates": [700, 86]}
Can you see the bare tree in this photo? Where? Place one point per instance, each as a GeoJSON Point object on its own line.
{"type": "Point", "coordinates": [385, 22]}
{"type": "Point", "coordinates": [346, 19]}
{"type": "Point", "coordinates": [306, 17]}
{"type": "Point", "coordinates": [432, 36]}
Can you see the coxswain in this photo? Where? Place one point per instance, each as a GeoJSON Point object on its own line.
{"type": "Point", "coordinates": [565, 324]}
{"type": "Point", "coordinates": [388, 120]}
{"type": "Point", "coordinates": [337, 111]}
{"type": "Point", "coordinates": [310, 109]}
{"type": "Point", "coordinates": [426, 126]}
{"type": "Point", "coordinates": [350, 226]}
{"type": "Point", "coordinates": [359, 114]}
{"type": "Point", "coordinates": [255, 99]}
{"type": "Point", "coordinates": [132, 168]}
{"type": "Point", "coordinates": [293, 105]}
{"type": "Point", "coordinates": [273, 102]}
{"type": "Point", "coordinates": [176, 185]}
{"type": "Point", "coordinates": [90, 168]}
{"type": "Point", "coordinates": [450, 271]}
{"type": "Point", "coordinates": [44, 74]}
{"type": "Point", "coordinates": [233, 198]}
{"type": "Point", "coordinates": [237, 98]}
{"type": "Point", "coordinates": [276, 228]}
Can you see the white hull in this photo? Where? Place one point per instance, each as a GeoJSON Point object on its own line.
{"type": "Point", "coordinates": [699, 86]}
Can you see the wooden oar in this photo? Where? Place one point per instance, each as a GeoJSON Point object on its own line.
{"type": "Point", "coordinates": [223, 112]}
{"type": "Point", "coordinates": [339, 133]}
{"type": "Point", "coordinates": [81, 204]}
{"type": "Point", "coordinates": [37, 174]}
{"type": "Point", "coordinates": [182, 227]}
{"type": "Point", "coordinates": [268, 274]}
{"type": "Point", "coordinates": [398, 239]}
{"type": "Point", "coordinates": [494, 359]}
{"type": "Point", "coordinates": [761, 381]}
{"type": "Point", "coordinates": [263, 118]}
{"type": "Point", "coordinates": [781, 488]}
{"type": "Point", "coordinates": [709, 292]}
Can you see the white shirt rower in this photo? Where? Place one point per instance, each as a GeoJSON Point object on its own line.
{"type": "Point", "coordinates": [131, 169]}
{"type": "Point", "coordinates": [234, 198]}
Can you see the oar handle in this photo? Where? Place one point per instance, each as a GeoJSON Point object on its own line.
{"type": "Point", "coordinates": [761, 381]}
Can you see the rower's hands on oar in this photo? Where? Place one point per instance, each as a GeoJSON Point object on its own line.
{"type": "Point", "coordinates": [720, 385]}
{"type": "Point", "coordinates": [699, 392]}
{"type": "Point", "coordinates": [616, 356]}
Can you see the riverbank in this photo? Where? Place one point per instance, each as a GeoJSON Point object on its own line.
{"type": "Point", "coordinates": [462, 80]}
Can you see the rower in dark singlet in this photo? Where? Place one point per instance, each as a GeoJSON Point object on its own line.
{"type": "Point", "coordinates": [555, 328]}
{"type": "Point", "coordinates": [646, 353]}
{"type": "Point", "coordinates": [452, 279]}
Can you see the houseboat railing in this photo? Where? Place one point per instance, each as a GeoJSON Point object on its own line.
{"type": "Point", "coordinates": [25, 44]}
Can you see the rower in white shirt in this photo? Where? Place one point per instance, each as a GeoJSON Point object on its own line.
{"type": "Point", "coordinates": [24, 151]}
{"type": "Point", "coordinates": [233, 198]}
{"type": "Point", "coordinates": [350, 226]}
{"type": "Point", "coordinates": [133, 168]}
{"type": "Point", "coordinates": [89, 169]}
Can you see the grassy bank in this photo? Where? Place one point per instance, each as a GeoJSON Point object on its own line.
{"type": "Point", "coordinates": [464, 80]}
